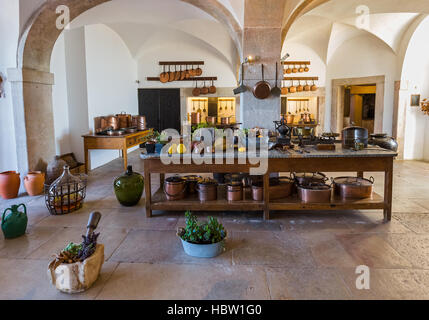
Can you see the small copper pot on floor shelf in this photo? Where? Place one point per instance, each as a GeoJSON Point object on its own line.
{"type": "Point", "coordinates": [191, 183]}
{"type": "Point", "coordinates": [207, 190]}
{"type": "Point", "coordinates": [353, 187]}
{"type": "Point", "coordinates": [315, 193]}
{"type": "Point", "coordinates": [174, 188]}
{"type": "Point", "coordinates": [234, 192]}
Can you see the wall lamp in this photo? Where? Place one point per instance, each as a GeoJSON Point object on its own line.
{"type": "Point", "coordinates": [252, 59]}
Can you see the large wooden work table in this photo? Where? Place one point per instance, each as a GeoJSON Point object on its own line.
{"type": "Point", "coordinates": [340, 160]}
{"type": "Point", "coordinates": [124, 142]}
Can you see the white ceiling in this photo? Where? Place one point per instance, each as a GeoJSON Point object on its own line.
{"type": "Point", "coordinates": [140, 22]}
{"type": "Point", "coordinates": [327, 27]}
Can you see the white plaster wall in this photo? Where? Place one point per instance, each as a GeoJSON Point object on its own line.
{"type": "Point", "coordinates": [77, 96]}
{"type": "Point", "coordinates": [415, 80]}
{"type": "Point", "coordinates": [363, 56]}
{"type": "Point", "coordinates": [182, 47]}
{"type": "Point", "coordinates": [9, 32]}
{"type": "Point", "coordinates": [111, 76]}
{"type": "Point", "coordinates": [60, 99]}
{"type": "Point", "coordinates": [300, 52]}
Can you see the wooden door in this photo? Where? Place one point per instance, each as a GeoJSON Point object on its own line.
{"type": "Point", "coordinates": [161, 107]}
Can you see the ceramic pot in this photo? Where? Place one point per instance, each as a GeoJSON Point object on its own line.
{"type": "Point", "coordinates": [9, 184]}
{"type": "Point", "coordinates": [129, 188]}
{"type": "Point", "coordinates": [15, 223]}
{"type": "Point", "coordinates": [34, 183]}
{"type": "Point", "coordinates": [203, 250]}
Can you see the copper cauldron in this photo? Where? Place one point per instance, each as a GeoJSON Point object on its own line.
{"type": "Point", "coordinates": [174, 188]}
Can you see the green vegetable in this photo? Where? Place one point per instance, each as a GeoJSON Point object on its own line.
{"type": "Point", "coordinates": [208, 232]}
{"type": "Point", "coordinates": [73, 248]}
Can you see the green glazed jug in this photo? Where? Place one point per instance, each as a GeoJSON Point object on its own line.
{"type": "Point", "coordinates": [129, 187]}
{"type": "Point", "coordinates": [15, 223]}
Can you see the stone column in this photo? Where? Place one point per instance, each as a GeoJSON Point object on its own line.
{"type": "Point", "coordinates": [262, 36]}
{"type": "Point", "coordinates": [33, 117]}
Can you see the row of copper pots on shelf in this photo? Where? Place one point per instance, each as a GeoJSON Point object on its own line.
{"type": "Point", "coordinates": [182, 74]}
{"type": "Point", "coordinates": [296, 69]}
{"type": "Point", "coordinates": [124, 120]}
{"type": "Point", "coordinates": [196, 92]}
{"type": "Point", "coordinates": [310, 187]}
{"type": "Point", "coordinates": [300, 88]}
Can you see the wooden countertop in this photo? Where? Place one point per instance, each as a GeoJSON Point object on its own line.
{"type": "Point", "coordinates": [127, 135]}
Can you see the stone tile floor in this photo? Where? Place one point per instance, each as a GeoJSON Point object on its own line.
{"type": "Point", "coordinates": [294, 256]}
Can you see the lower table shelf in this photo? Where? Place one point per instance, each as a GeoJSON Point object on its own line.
{"type": "Point", "coordinates": [160, 202]}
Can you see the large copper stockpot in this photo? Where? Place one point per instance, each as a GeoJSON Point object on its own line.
{"type": "Point", "coordinates": [112, 122]}
{"type": "Point", "coordinates": [307, 178]}
{"type": "Point", "coordinates": [280, 188]}
{"type": "Point", "coordinates": [315, 193]}
{"type": "Point", "coordinates": [207, 190]}
{"type": "Point", "coordinates": [211, 120]}
{"type": "Point", "coordinates": [353, 187]}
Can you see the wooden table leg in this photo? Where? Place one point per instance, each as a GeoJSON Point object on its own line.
{"type": "Point", "coordinates": [148, 190]}
{"type": "Point", "coordinates": [125, 155]}
{"type": "Point", "coordinates": [266, 196]}
{"type": "Point", "coordinates": [161, 179]}
{"type": "Point", "coordinates": [388, 191]}
{"type": "Point", "coordinates": [360, 174]}
{"type": "Point", "coordinates": [86, 159]}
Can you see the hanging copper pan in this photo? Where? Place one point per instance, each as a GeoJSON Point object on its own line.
{"type": "Point", "coordinates": [262, 89]}
{"type": "Point", "coordinates": [198, 72]}
{"type": "Point", "coordinates": [212, 89]}
{"type": "Point", "coordinates": [163, 77]}
{"type": "Point", "coordinates": [177, 74]}
{"type": "Point", "coordinates": [196, 92]}
{"type": "Point", "coordinates": [204, 90]}
{"type": "Point", "coordinates": [171, 75]}
{"type": "Point", "coordinates": [182, 73]}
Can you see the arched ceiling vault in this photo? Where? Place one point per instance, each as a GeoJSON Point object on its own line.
{"type": "Point", "coordinates": [325, 25]}
{"type": "Point", "coordinates": [37, 41]}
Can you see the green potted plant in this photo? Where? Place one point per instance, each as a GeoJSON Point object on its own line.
{"type": "Point", "coordinates": [202, 240]}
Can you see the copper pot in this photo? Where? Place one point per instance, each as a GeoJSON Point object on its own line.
{"type": "Point", "coordinates": [174, 188]}
{"type": "Point", "coordinates": [113, 122]}
{"type": "Point", "coordinates": [280, 188]}
{"type": "Point", "coordinates": [258, 191]}
{"type": "Point", "coordinates": [211, 120]}
{"type": "Point", "coordinates": [195, 118]}
{"type": "Point", "coordinates": [315, 193]}
{"type": "Point", "coordinates": [290, 118]}
{"type": "Point", "coordinates": [234, 192]}
{"type": "Point", "coordinates": [124, 120]}
{"type": "Point", "coordinates": [353, 187]}
{"type": "Point", "coordinates": [139, 122]}
{"type": "Point", "coordinates": [207, 191]}
{"type": "Point", "coordinates": [191, 183]}
{"type": "Point", "coordinates": [225, 120]}
{"type": "Point", "coordinates": [304, 179]}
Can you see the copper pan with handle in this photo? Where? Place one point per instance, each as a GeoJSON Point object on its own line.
{"type": "Point", "coordinates": [262, 89]}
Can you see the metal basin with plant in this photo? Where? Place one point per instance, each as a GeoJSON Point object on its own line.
{"type": "Point", "coordinates": [202, 240]}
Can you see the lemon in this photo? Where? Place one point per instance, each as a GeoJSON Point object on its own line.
{"type": "Point", "coordinates": [172, 149]}
{"type": "Point", "coordinates": [181, 148]}
{"type": "Point", "coordinates": [242, 149]}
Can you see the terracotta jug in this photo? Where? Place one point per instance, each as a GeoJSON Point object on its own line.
{"type": "Point", "coordinates": [34, 183]}
{"type": "Point", "coordinates": [9, 184]}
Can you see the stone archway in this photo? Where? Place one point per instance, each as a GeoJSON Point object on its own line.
{"type": "Point", "coordinates": [32, 81]}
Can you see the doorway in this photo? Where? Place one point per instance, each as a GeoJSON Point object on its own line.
{"type": "Point", "coordinates": [367, 103]}
{"type": "Point", "coordinates": [359, 106]}
{"type": "Point", "coordinates": [161, 107]}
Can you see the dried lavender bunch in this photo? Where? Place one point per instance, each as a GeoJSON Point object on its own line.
{"type": "Point", "coordinates": [89, 245]}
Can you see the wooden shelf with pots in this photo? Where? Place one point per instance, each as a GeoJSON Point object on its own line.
{"type": "Point", "coordinates": [342, 162]}
{"type": "Point", "coordinates": [191, 202]}
{"type": "Point", "coordinates": [293, 203]}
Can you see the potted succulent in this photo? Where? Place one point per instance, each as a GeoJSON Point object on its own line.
{"type": "Point", "coordinates": [202, 240]}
